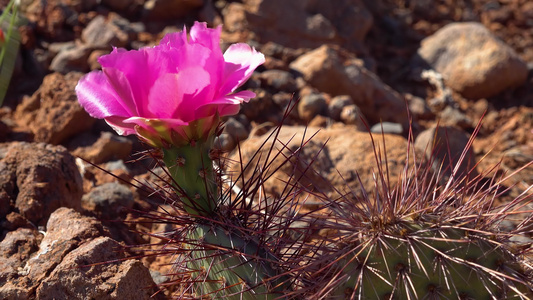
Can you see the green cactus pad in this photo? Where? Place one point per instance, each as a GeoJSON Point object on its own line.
{"type": "Point", "coordinates": [192, 172]}
{"type": "Point", "coordinates": [226, 265]}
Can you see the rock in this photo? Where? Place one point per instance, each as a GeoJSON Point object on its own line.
{"type": "Point", "coordinates": [260, 107]}
{"type": "Point", "coordinates": [279, 80]}
{"type": "Point", "coordinates": [53, 113]}
{"type": "Point", "coordinates": [225, 142]}
{"type": "Point", "coordinates": [309, 23]}
{"type": "Point", "coordinates": [15, 249]}
{"type": "Point", "coordinates": [92, 61]}
{"type": "Point", "coordinates": [109, 201]}
{"type": "Point", "coordinates": [347, 155]}
{"type": "Point", "coordinates": [337, 104]}
{"type": "Point", "coordinates": [454, 117]}
{"type": "Point", "coordinates": [418, 108]}
{"type": "Point", "coordinates": [66, 229]}
{"type": "Point", "coordinates": [53, 19]}
{"type": "Point", "coordinates": [235, 129]}
{"type": "Point", "coordinates": [39, 178]}
{"type": "Point", "coordinates": [91, 272]}
{"type": "Point", "coordinates": [170, 9]}
{"type": "Point", "coordinates": [13, 221]}
{"type": "Point", "coordinates": [118, 5]}
{"type": "Point", "coordinates": [108, 147]}
{"type": "Point", "coordinates": [352, 115]}
{"type": "Point", "coordinates": [444, 146]}
{"type": "Point", "coordinates": [103, 34]}
{"type": "Point", "coordinates": [387, 127]}
{"type": "Point", "coordinates": [311, 105]}
{"type": "Point", "coordinates": [71, 59]}
{"type": "Point", "coordinates": [333, 71]}
{"type": "Point", "coordinates": [472, 60]}
{"type": "Point", "coordinates": [235, 24]}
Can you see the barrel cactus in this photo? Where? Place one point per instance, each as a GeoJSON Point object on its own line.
{"type": "Point", "coordinates": [425, 239]}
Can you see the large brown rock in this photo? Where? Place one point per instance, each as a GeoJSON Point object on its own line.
{"type": "Point", "coordinates": [347, 154]}
{"type": "Point", "coordinates": [38, 178]}
{"type": "Point", "coordinates": [53, 113]}
{"type": "Point", "coordinates": [446, 147]}
{"type": "Point", "coordinates": [472, 60]}
{"type": "Point", "coordinates": [66, 230]}
{"type": "Point", "coordinates": [335, 72]}
{"type": "Point", "coordinates": [74, 260]}
{"type": "Point", "coordinates": [81, 275]}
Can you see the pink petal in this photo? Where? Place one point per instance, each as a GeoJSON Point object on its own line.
{"type": "Point", "coordinates": [143, 122]}
{"type": "Point", "coordinates": [226, 106]}
{"type": "Point", "coordinates": [120, 126]}
{"type": "Point", "coordinates": [241, 61]}
{"type": "Point", "coordinates": [174, 39]}
{"type": "Point", "coordinates": [99, 98]}
{"type": "Point", "coordinates": [133, 73]}
{"type": "Point", "coordinates": [209, 38]}
{"type": "Point", "coordinates": [178, 95]}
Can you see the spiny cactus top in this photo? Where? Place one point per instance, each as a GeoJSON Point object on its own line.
{"type": "Point", "coordinates": [157, 92]}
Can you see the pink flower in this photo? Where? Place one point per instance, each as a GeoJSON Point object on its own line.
{"type": "Point", "coordinates": [160, 92]}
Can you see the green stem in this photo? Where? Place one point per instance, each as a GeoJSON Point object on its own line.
{"type": "Point", "coordinates": [192, 172]}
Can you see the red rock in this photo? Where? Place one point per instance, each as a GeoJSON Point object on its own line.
{"type": "Point", "coordinates": [92, 272]}
{"type": "Point", "coordinates": [53, 113]}
{"type": "Point", "coordinates": [39, 178]}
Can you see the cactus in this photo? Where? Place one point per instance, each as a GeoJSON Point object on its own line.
{"type": "Point", "coordinates": [418, 260]}
{"type": "Point", "coordinates": [191, 170]}
{"type": "Point", "coordinates": [422, 239]}
{"type": "Point", "coordinates": [227, 264]}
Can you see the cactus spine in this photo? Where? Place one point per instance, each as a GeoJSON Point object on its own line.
{"type": "Point", "coordinates": [418, 260]}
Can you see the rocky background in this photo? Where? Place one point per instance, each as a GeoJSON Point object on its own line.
{"type": "Point", "coordinates": [450, 61]}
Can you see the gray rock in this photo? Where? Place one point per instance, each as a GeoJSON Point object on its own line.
{"type": "Point", "coordinates": [109, 201]}
{"type": "Point", "coordinates": [472, 60]}
{"type": "Point", "coordinates": [279, 80]}
{"type": "Point", "coordinates": [311, 105]}
{"type": "Point", "coordinates": [71, 59]}
{"type": "Point", "coordinates": [387, 127]}
{"type": "Point", "coordinates": [352, 115]}
{"type": "Point", "coordinates": [337, 104]}
{"type": "Point", "coordinates": [103, 34]}
{"type": "Point", "coordinates": [236, 129]}
{"type": "Point", "coordinates": [454, 117]}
